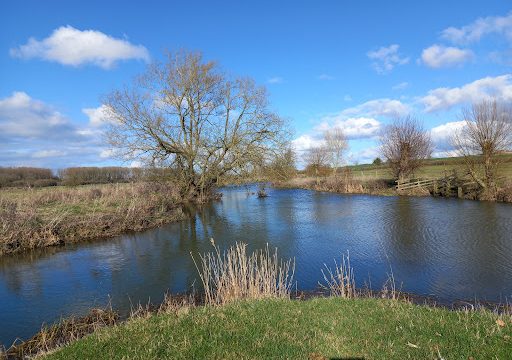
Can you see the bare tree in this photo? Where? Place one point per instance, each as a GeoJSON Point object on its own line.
{"type": "Point", "coordinates": [187, 114]}
{"type": "Point", "coordinates": [282, 167]}
{"type": "Point", "coordinates": [487, 132]}
{"type": "Point", "coordinates": [336, 144]}
{"type": "Point", "coordinates": [405, 145]}
{"type": "Point", "coordinates": [316, 158]}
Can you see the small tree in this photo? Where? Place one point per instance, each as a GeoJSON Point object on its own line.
{"type": "Point", "coordinates": [377, 161]}
{"type": "Point", "coordinates": [316, 159]}
{"type": "Point", "coordinates": [487, 132]}
{"type": "Point", "coordinates": [282, 167]}
{"type": "Point", "coordinates": [335, 145]}
{"type": "Point", "coordinates": [405, 145]}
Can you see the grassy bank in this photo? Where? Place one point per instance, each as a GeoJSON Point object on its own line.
{"type": "Point", "coordinates": [378, 179]}
{"type": "Point", "coordinates": [320, 328]}
{"type": "Point", "coordinates": [32, 218]}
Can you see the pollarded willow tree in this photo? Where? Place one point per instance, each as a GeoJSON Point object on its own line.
{"type": "Point", "coordinates": [187, 114]}
{"type": "Point", "coordinates": [487, 133]}
{"type": "Point", "coordinates": [405, 145]}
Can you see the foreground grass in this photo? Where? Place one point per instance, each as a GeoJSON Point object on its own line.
{"type": "Point", "coordinates": [320, 328]}
{"type": "Point", "coordinates": [31, 218]}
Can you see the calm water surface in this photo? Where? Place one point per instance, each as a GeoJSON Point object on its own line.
{"type": "Point", "coordinates": [449, 248]}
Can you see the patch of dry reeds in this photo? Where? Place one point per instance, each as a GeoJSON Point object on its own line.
{"type": "Point", "coordinates": [234, 274]}
{"type": "Point", "coordinates": [62, 333]}
{"type": "Point", "coordinates": [32, 218]}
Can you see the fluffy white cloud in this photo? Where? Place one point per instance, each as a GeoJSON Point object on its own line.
{"type": "Point", "coordinates": [70, 46]}
{"type": "Point", "coordinates": [386, 58]}
{"type": "Point", "coordinates": [378, 107]}
{"type": "Point", "coordinates": [499, 88]}
{"type": "Point", "coordinates": [33, 133]}
{"type": "Point", "coordinates": [24, 117]}
{"type": "Point", "coordinates": [479, 28]}
{"type": "Point", "coordinates": [438, 56]}
{"type": "Point", "coordinates": [441, 135]}
{"type": "Point", "coordinates": [353, 128]}
{"type": "Point", "coordinates": [305, 142]}
{"type": "Point", "coordinates": [97, 116]}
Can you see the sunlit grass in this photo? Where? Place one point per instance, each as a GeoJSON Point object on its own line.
{"type": "Point", "coordinates": [320, 328]}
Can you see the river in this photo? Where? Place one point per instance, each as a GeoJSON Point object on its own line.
{"type": "Point", "coordinates": [448, 248]}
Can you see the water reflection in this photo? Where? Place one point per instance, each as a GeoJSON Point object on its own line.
{"type": "Point", "coordinates": [448, 248]}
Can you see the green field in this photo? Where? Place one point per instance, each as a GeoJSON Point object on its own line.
{"type": "Point", "coordinates": [433, 168]}
{"type": "Point", "coordinates": [321, 328]}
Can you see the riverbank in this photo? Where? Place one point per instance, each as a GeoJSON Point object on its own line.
{"type": "Point", "coordinates": [318, 328]}
{"type": "Point", "coordinates": [34, 218]}
{"type": "Point", "coordinates": [377, 186]}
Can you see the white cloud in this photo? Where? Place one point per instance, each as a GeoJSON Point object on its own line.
{"type": "Point", "coordinates": [22, 116]}
{"type": "Point", "coordinates": [275, 80]}
{"type": "Point", "coordinates": [364, 156]}
{"type": "Point", "coordinates": [353, 128]}
{"type": "Point", "coordinates": [98, 116]}
{"type": "Point", "coordinates": [386, 58]}
{"type": "Point", "coordinates": [305, 142]}
{"type": "Point", "coordinates": [481, 27]}
{"type": "Point", "coordinates": [107, 153]}
{"type": "Point", "coordinates": [378, 107]}
{"type": "Point", "coordinates": [499, 88]}
{"type": "Point", "coordinates": [402, 86]}
{"type": "Point", "coordinates": [325, 77]}
{"type": "Point", "coordinates": [70, 46]}
{"type": "Point", "coordinates": [33, 133]}
{"type": "Point", "coordinates": [438, 56]}
{"type": "Point", "coordinates": [441, 135]}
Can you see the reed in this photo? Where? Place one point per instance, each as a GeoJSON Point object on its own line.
{"type": "Point", "coordinates": [340, 281]}
{"type": "Point", "coordinates": [234, 274]}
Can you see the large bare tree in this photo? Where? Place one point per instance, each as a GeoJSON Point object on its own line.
{"type": "Point", "coordinates": [405, 145]}
{"type": "Point", "coordinates": [186, 113]}
{"type": "Point", "coordinates": [486, 133]}
{"type": "Point", "coordinates": [336, 144]}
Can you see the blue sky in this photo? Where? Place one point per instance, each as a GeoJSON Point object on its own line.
{"type": "Point", "coordinates": [351, 64]}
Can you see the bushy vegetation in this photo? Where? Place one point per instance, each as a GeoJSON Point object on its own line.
{"type": "Point", "coordinates": [26, 177]}
{"type": "Point", "coordinates": [43, 217]}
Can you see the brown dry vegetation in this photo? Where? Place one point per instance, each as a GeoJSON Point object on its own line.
{"type": "Point", "coordinates": [32, 218]}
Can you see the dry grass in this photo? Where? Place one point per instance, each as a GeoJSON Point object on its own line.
{"type": "Point", "coordinates": [31, 218]}
{"type": "Point", "coordinates": [340, 282]}
{"type": "Point", "coordinates": [62, 333]}
{"type": "Point", "coordinates": [234, 274]}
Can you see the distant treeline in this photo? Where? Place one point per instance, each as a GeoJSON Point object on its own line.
{"type": "Point", "coordinates": [40, 177]}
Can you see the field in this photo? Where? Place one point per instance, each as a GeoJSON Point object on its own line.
{"type": "Point", "coordinates": [31, 218]}
{"type": "Point", "coordinates": [322, 328]}
{"type": "Point", "coordinates": [433, 168]}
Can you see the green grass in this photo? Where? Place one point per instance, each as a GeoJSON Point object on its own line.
{"type": "Point", "coordinates": [433, 168]}
{"type": "Point", "coordinates": [318, 329]}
